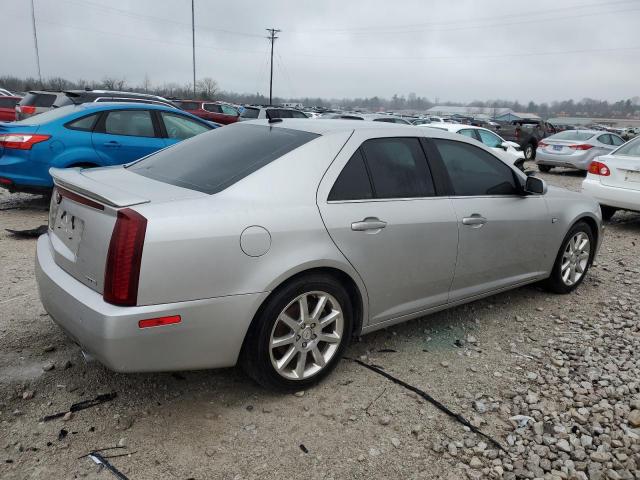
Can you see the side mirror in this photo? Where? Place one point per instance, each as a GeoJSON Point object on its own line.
{"type": "Point", "coordinates": [535, 185]}
{"type": "Point", "coordinates": [504, 146]}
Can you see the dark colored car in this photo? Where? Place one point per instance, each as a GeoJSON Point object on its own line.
{"type": "Point", "coordinates": [213, 111]}
{"type": "Point", "coordinates": [526, 132]}
{"type": "Point", "coordinates": [8, 108]}
{"type": "Point", "coordinates": [39, 101]}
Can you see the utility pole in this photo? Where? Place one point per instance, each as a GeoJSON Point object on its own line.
{"type": "Point", "coordinates": [193, 44]}
{"type": "Point", "coordinates": [272, 39]}
{"type": "Point", "coordinates": [35, 40]}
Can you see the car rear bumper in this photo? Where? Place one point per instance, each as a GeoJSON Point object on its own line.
{"type": "Point", "coordinates": [625, 198]}
{"type": "Point", "coordinates": [210, 334]}
{"type": "Point", "coordinates": [23, 173]}
{"type": "Point", "coordinates": [579, 161]}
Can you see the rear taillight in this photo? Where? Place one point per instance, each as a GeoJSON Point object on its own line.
{"type": "Point", "coordinates": [123, 260]}
{"type": "Point", "coordinates": [542, 144]}
{"type": "Point", "coordinates": [21, 141]}
{"type": "Point", "coordinates": [580, 147]}
{"type": "Point", "coordinates": [28, 109]}
{"type": "Point", "coordinates": [599, 168]}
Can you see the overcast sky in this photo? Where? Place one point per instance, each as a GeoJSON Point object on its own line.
{"type": "Point", "coordinates": [459, 50]}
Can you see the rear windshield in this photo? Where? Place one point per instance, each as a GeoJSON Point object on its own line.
{"type": "Point", "coordinates": [250, 113]}
{"type": "Point", "coordinates": [38, 99]}
{"type": "Point", "coordinates": [8, 102]}
{"type": "Point", "coordinates": [213, 161]}
{"type": "Point", "coordinates": [572, 135]}
{"type": "Point", "coordinates": [48, 116]}
{"type": "Point", "coordinates": [631, 148]}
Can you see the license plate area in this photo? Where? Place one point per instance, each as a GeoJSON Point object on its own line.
{"type": "Point", "coordinates": [632, 176]}
{"type": "Point", "coordinates": [67, 226]}
{"type": "Point", "coordinates": [557, 148]}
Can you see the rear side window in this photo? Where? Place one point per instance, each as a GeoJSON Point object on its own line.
{"type": "Point", "coordinates": [473, 171]}
{"type": "Point", "coordinates": [398, 168]}
{"type": "Point", "coordinates": [211, 162]}
{"type": "Point", "coordinates": [297, 114]}
{"type": "Point", "coordinates": [136, 123]}
{"type": "Point", "coordinates": [606, 139]}
{"type": "Point", "coordinates": [616, 140]}
{"type": "Point", "coordinates": [353, 182]}
{"type": "Point", "coordinates": [250, 113]}
{"type": "Point", "coordinates": [468, 132]}
{"type": "Point", "coordinates": [85, 123]}
{"type": "Point", "coordinates": [227, 110]}
{"type": "Point", "coordinates": [212, 107]}
{"type": "Point", "coordinates": [44, 100]}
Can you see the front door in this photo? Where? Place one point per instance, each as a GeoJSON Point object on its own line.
{"type": "Point", "coordinates": [503, 234]}
{"type": "Point", "coordinates": [122, 136]}
{"type": "Point", "coordinates": [383, 213]}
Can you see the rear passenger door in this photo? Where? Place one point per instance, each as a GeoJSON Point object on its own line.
{"type": "Point", "coordinates": [380, 205]}
{"type": "Point", "coordinates": [504, 236]}
{"type": "Point", "coordinates": [122, 136]}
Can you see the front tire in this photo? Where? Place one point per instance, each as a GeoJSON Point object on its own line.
{"type": "Point", "coordinates": [299, 335]}
{"type": "Point", "coordinates": [573, 260]}
{"type": "Point", "coordinates": [607, 212]}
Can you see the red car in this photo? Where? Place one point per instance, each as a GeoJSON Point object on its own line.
{"type": "Point", "coordinates": [213, 111]}
{"type": "Point", "coordinates": [8, 108]}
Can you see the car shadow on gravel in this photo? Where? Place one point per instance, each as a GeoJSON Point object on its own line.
{"type": "Point", "coordinates": [23, 201]}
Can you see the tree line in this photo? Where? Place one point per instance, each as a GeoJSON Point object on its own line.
{"type": "Point", "coordinates": [208, 89]}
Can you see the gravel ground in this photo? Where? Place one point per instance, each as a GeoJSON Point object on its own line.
{"type": "Point", "coordinates": [554, 379]}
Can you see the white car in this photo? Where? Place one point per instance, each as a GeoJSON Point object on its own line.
{"type": "Point", "coordinates": [510, 151]}
{"type": "Point", "coordinates": [614, 179]}
{"type": "Point", "coordinates": [5, 93]}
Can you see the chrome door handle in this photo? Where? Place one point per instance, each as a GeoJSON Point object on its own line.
{"type": "Point", "coordinates": [476, 220]}
{"type": "Point", "coordinates": [369, 223]}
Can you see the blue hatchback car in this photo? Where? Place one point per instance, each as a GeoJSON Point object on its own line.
{"type": "Point", "coordinates": [87, 135]}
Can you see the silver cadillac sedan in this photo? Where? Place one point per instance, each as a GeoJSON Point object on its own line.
{"type": "Point", "coordinates": [273, 243]}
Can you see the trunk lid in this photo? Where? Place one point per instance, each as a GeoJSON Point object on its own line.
{"type": "Point", "coordinates": [625, 171]}
{"type": "Point", "coordinates": [83, 214]}
{"type": "Point", "coordinates": [560, 147]}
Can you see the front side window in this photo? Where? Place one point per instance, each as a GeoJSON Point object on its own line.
{"type": "Point", "coordinates": [180, 127]}
{"type": "Point", "coordinates": [491, 140]}
{"type": "Point", "coordinates": [135, 123]}
{"type": "Point", "coordinates": [353, 182]}
{"type": "Point", "coordinates": [297, 114]}
{"type": "Point", "coordinates": [398, 168]}
{"type": "Point", "coordinates": [227, 110]}
{"type": "Point", "coordinates": [212, 162]}
{"type": "Point", "coordinates": [249, 112]}
{"type": "Point", "coordinates": [473, 171]}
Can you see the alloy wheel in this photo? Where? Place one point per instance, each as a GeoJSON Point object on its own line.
{"type": "Point", "coordinates": [575, 258]}
{"type": "Point", "coordinates": [306, 335]}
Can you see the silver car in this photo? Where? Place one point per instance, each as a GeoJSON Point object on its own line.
{"type": "Point", "coordinates": [273, 243]}
{"type": "Point", "coordinates": [575, 148]}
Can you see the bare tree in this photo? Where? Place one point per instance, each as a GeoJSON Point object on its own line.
{"type": "Point", "coordinates": [208, 86]}
{"type": "Point", "coordinates": [146, 83]}
{"type": "Point", "coordinates": [112, 83]}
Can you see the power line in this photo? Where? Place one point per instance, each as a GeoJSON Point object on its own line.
{"type": "Point", "coordinates": [35, 41]}
{"type": "Point", "coordinates": [193, 44]}
{"type": "Point", "coordinates": [272, 39]}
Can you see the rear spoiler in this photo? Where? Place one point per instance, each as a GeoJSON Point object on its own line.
{"type": "Point", "coordinates": [73, 179]}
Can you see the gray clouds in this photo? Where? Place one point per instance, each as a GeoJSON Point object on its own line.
{"type": "Point", "coordinates": [452, 50]}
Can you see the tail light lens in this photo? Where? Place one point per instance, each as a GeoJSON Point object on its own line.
{"type": "Point", "coordinates": [123, 260]}
{"type": "Point", "coordinates": [599, 168]}
{"type": "Point", "coordinates": [21, 141]}
{"type": "Point", "coordinates": [28, 109]}
{"type": "Point", "coordinates": [580, 147]}
{"type": "Point", "coordinates": [542, 144]}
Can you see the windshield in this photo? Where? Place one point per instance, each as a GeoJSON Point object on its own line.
{"type": "Point", "coordinates": [575, 135]}
{"type": "Point", "coordinates": [631, 149]}
{"type": "Point", "coordinates": [213, 161]}
{"type": "Point", "coordinates": [48, 116]}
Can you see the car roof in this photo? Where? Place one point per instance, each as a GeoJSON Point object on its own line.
{"type": "Point", "coordinates": [323, 126]}
{"type": "Point", "coordinates": [128, 105]}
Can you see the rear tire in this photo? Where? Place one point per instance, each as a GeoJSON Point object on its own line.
{"type": "Point", "coordinates": [287, 349]}
{"type": "Point", "coordinates": [529, 151]}
{"type": "Point", "coordinates": [545, 168]}
{"type": "Point", "coordinates": [607, 212]}
{"type": "Point", "coordinates": [573, 260]}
